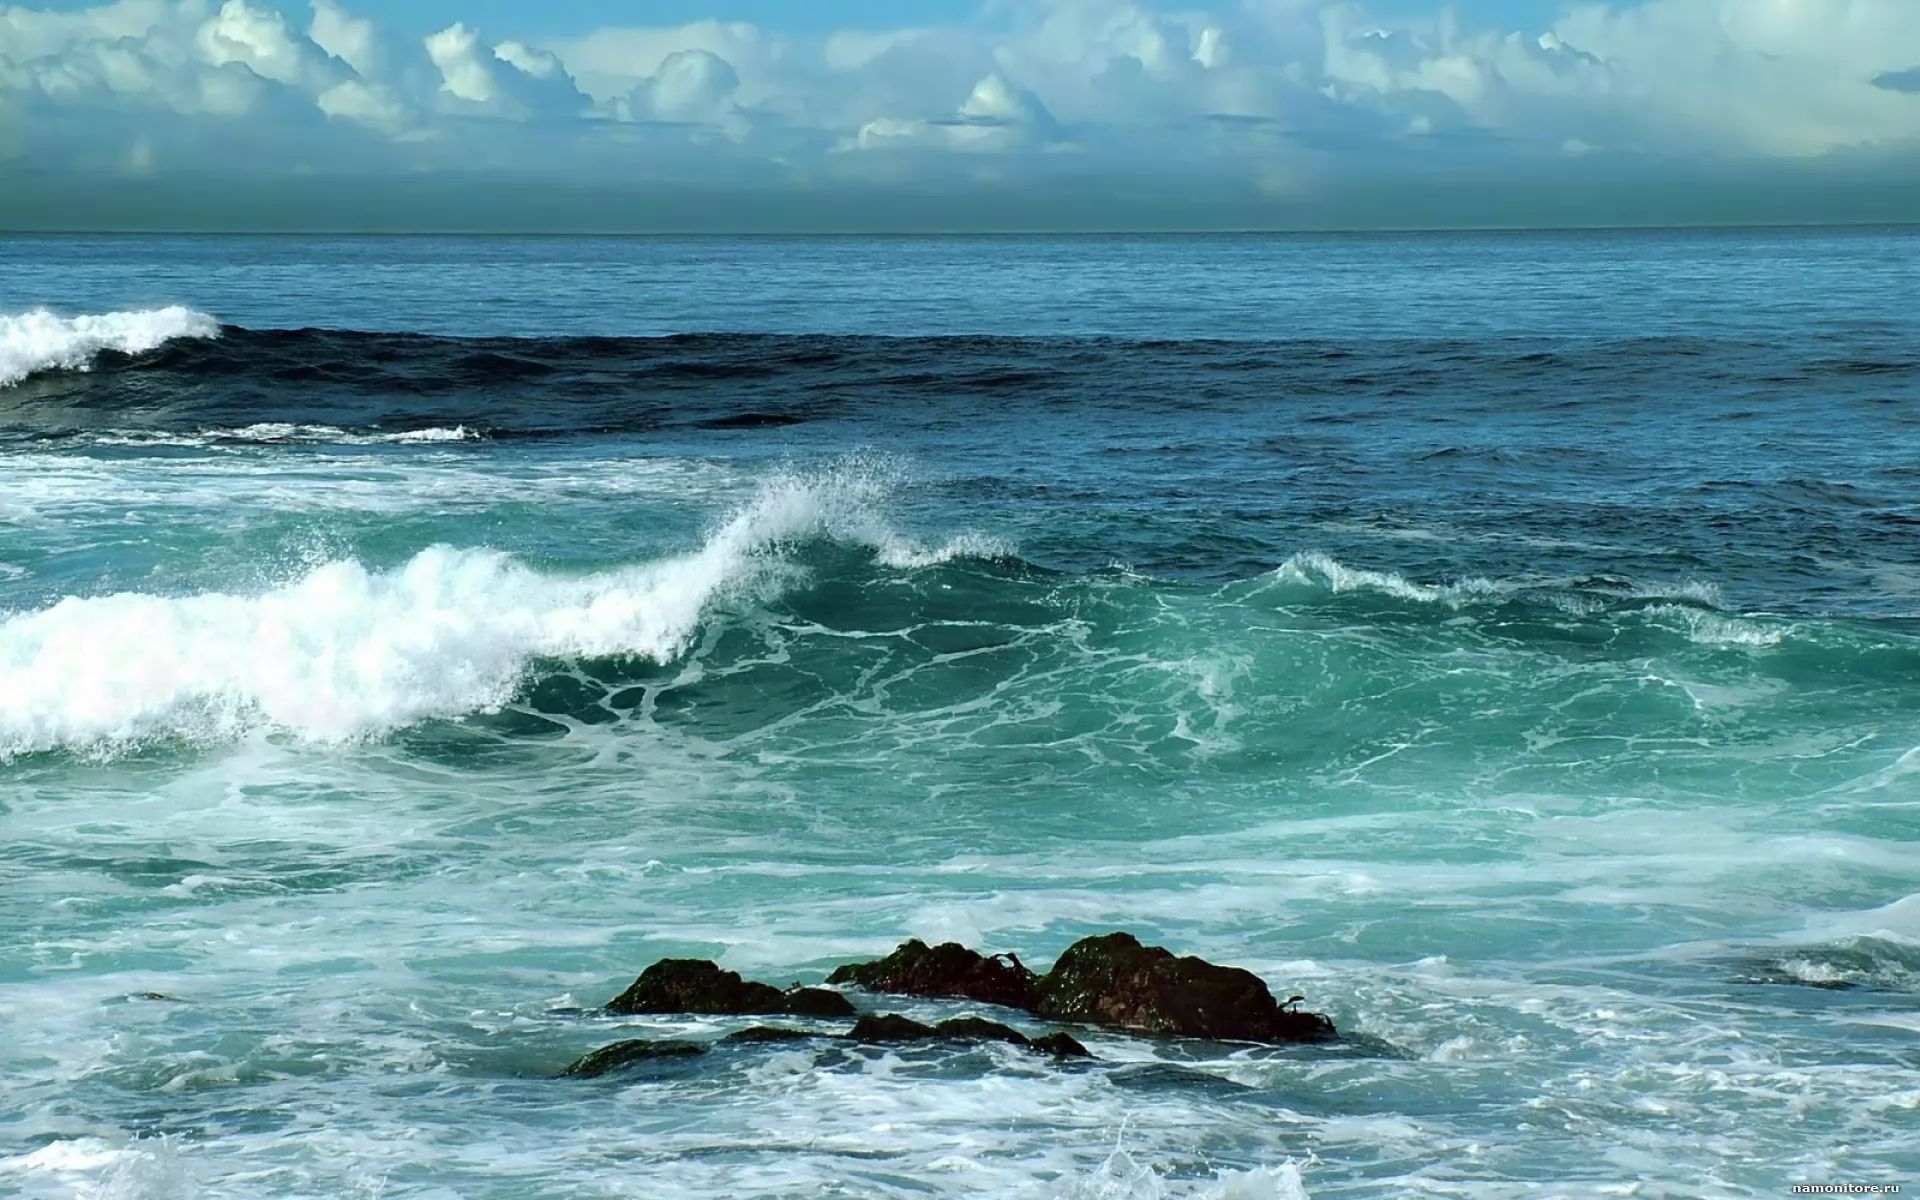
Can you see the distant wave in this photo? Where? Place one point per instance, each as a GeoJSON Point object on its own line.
{"type": "Point", "coordinates": [40, 341]}
{"type": "Point", "coordinates": [179, 372]}
{"type": "Point", "coordinates": [277, 433]}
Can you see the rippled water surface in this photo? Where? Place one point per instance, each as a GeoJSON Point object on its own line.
{"type": "Point", "coordinates": [1511, 642]}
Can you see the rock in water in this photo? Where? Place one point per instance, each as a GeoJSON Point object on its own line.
{"type": "Point", "coordinates": [891, 1027]}
{"type": "Point", "coordinates": [979, 1029]}
{"type": "Point", "coordinates": [694, 985]}
{"type": "Point", "coordinates": [763, 1035]}
{"type": "Point", "coordinates": [1061, 1045]}
{"type": "Point", "coordinates": [1114, 980]}
{"type": "Point", "coordinates": [948, 971]}
{"type": "Point", "coordinates": [621, 1054]}
{"type": "Point", "coordinates": [817, 1002]}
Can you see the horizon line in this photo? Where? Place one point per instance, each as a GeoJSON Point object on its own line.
{"type": "Point", "coordinates": [934, 232]}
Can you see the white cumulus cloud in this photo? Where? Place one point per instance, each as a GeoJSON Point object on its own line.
{"type": "Point", "coordinates": [1272, 92]}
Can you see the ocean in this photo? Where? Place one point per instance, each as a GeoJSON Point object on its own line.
{"type": "Point", "coordinates": [1508, 641]}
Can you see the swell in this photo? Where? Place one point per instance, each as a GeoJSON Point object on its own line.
{"type": "Point", "coordinates": [807, 596]}
{"type": "Point", "coordinates": [176, 371]}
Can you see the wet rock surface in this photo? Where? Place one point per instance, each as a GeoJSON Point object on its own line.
{"type": "Point", "coordinates": [880, 1029]}
{"type": "Point", "coordinates": [612, 1058]}
{"type": "Point", "coordinates": [948, 971]}
{"type": "Point", "coordinates": [892, 1027]}
{"type": "Point", "coordinates": [694, 985]}
{"type": "Point", "coordinates": [1116, 981]}
{"type": "Point", "coordinates": [1113, 981]}
{"type": "Point", "coordinates": [764, 1035]}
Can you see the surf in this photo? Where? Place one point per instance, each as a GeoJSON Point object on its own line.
{"type": "Point", "coordinates": [40, 341]}
{"type": "Point", "coordinates": [346, 651]}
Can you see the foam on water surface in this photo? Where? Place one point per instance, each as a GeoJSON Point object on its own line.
{"type": "Point", "coordinates": [377, 705]}
{"type": "Point", "coordinates": [344, 652]}
{"type": "Point", "coordinates": [40, 341]}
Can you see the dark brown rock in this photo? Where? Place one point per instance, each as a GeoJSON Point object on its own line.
{"type": "Point", "coordinates": [889, 1027]}
{"type": "Point", "coordinates": [766, 1034]}
{"type": "Point", "coordinates": [622, 1054]}
{"type": "Point", "coordinates": [948, 971]}
{"type": "Point", "coordinates": [892, 1027]}
{"type": "Point", "coordinates": [694, 985]}
{"type": "Point", "coordinates": [979, 1029]}
{"type": "Point", "coordinates": [1061, 1045]}
{"type": "Point", "coordinates": [818, 1002]}
{"type": "Point", "coordinates": [1114, 980]}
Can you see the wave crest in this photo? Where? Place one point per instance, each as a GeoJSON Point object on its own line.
{"type": "Point", "coordinates": [40, 341]}
{"type": "Point", "coordinates": [347, 652]}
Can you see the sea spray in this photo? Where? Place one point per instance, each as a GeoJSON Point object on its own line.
{"type": "Point", "coordinates": [41, 341]}
{"type": "Point", "coordinates": [345, 652]}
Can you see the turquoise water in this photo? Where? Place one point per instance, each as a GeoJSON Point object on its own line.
{"type": "Point", "coordinates": [1511, 642]}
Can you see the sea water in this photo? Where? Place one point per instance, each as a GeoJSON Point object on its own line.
{"type": "Point", "coordinates": [1511, 642]}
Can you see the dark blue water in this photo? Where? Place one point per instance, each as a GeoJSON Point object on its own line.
{"type": "Point", "coordinates": [1510, 641]}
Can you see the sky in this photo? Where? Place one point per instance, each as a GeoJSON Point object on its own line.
{"type": "Point", "coordinates": [849, 115]}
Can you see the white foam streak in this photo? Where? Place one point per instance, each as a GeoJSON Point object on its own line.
{"type": "Point", "coordinates": [346, 652]}
{"type": "Point", "coordinates": [1323, 571]}
{"type": "Point", "coordinates": [40, 341]}
{"type": "Point", "coordinates": [282, 433]}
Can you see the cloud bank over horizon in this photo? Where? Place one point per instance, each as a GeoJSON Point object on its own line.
{"type": "Point", "coordinates": [1115, 109]}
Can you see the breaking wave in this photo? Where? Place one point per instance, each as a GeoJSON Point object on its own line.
{"type": "Point", "coordinates": [346, 651]}
{"type": "Point", "coordinates": [39, 341]}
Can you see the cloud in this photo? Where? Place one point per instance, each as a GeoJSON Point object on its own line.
{"type": "Point", "coordinates": [508, 80]}
{"type": "Point", "coordinates": [353, 40]}
{"type": "Point", "coordinates": [1783, 78]}
{"type": "Point", "coordinates": [1278, 96]}
{"type": "Point", "coordinates": [692, 86]}
{"type": "Point", "coordinates": [1907, 81]}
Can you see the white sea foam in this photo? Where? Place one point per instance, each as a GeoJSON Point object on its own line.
{"type": "Point", "coordinates": [1712, 629]}
{"type": "Point", "coordinates": [40, 341]}
{"type": "Point", "coordinates": [281, 433]}
{"type": "Point", "coordinates": [1122, 1177]}
{"type": "Point", "coordinates": [345, 651]}
{"type": "Point", "coordinates": [1325, 572]}
{"type": "Point", "coordinates": [93, 1168]}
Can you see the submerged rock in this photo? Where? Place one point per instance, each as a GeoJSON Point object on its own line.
{"type": "Point", "coordinates": [1114, 980]}
{"type": "Point", "coordinates": [948, 971]}
{"type": "Point", "coordinates": [760, 1035]}
{"type": "Point", "coordinates": [1061, 1045]}
{"type": "Point", "coordinates": [611, 1058]}
{"type": "Point", "coordinates": [891, 1027]}
{"type": "Point", "coordinates": [881, 1029]}
{"type": "Point", "coordinates": [694, 985]}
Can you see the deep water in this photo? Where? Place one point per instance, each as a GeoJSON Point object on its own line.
{"type": "Point", "coordinates": [1509, 641]}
